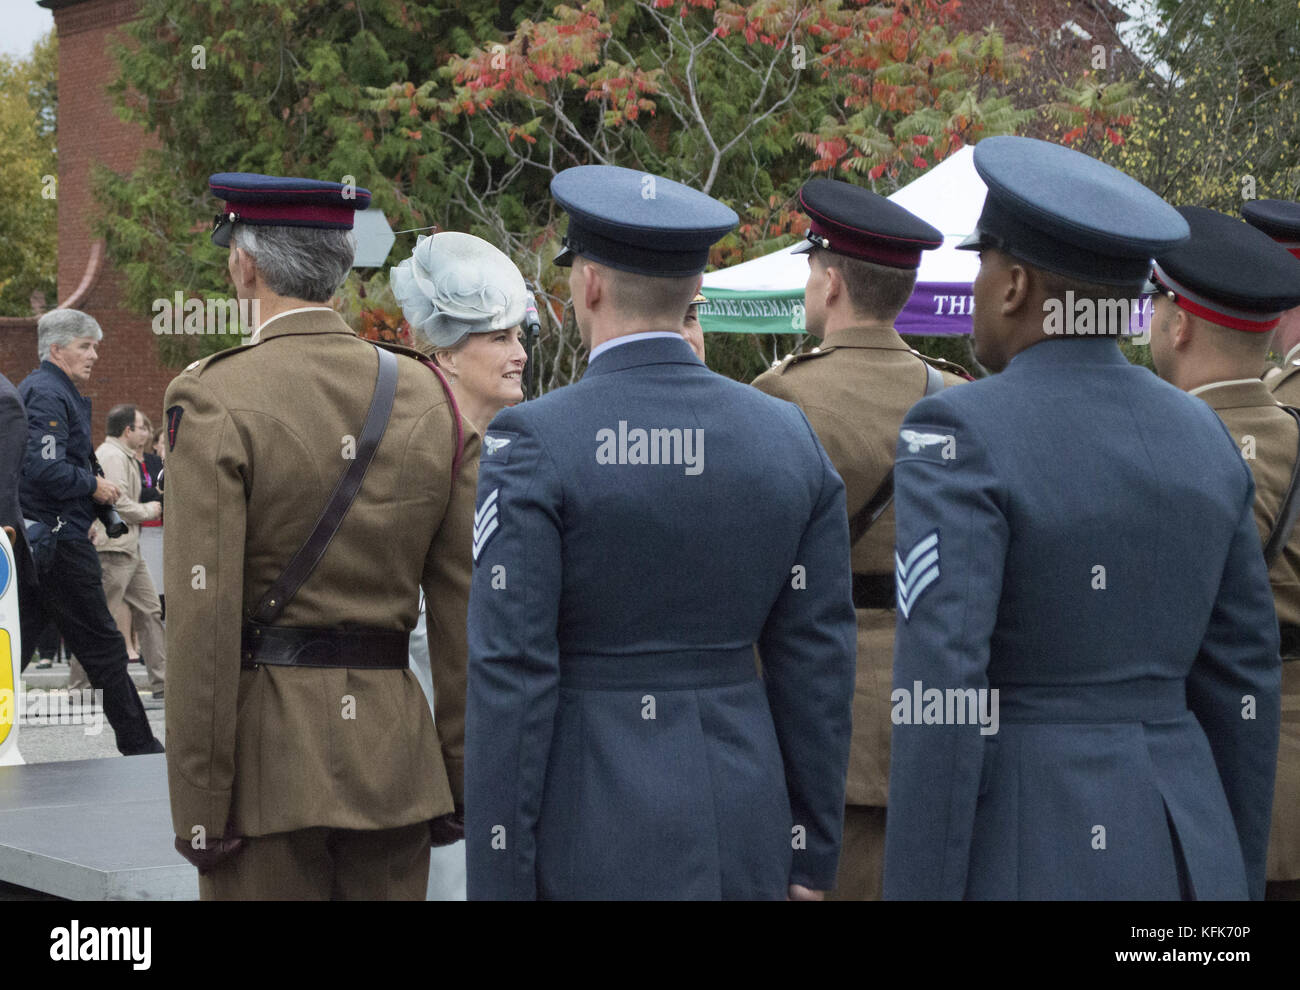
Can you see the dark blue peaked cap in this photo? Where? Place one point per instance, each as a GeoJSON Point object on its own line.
{"type": "Point", "coordinates": [638, 222]}
{"type": "Point", "coordinates": [1065, 212]}
{"type": "Point", "coordinates": [1278, 218]}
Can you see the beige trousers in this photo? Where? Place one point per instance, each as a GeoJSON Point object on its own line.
{"type": "Point", "coordinates": [127, 583]}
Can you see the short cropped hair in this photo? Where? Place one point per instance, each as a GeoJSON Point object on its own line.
{"type": "Point", "coordinates": [299, 262]}
{"type": "Point", "coordinates": [120, 417]}
{"type": "Point", "coordinates": [638, 296]}
{"type": "Point", "coordinates": [62, 327]}
{"type": "Point", "coordinates": [1055, 286]}
{"type": "Point", "coordinates": [875, 291]}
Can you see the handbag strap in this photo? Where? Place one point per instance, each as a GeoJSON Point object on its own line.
{"type": "Point", "coordinates": [455, 415]}
{"type": "Point", "coordinates": [299, 568]}
{"type": "Point", "coordinates": [866, 517]}
{"type": "Point", "coordinates": [1290, 508]}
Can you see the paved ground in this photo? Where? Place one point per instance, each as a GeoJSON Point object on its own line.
{"type": "Point", "coordinates": [48, 743]}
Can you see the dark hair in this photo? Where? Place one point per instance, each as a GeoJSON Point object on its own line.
{"type": "Point", "coordinates": [1056, 285]}
{"type": "Point", "coordinates": [120, 418]}
{"type": "Point", "coordinates": [877, 291]}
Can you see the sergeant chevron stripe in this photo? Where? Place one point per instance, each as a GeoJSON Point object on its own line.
{"type": "Point", "coordinates": [485, 522]}
{"type": "Point", "coordinates": [913, 575]}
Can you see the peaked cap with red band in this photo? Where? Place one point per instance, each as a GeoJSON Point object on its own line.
{"type": "Point", "coordinates": [856, 222]}
{"type": "Point", "coordinates": [1278, 218]}
{"type": "Point", "coordinates": [1229, 273]}
{"type": "Point", "coordinates": [276, 201]}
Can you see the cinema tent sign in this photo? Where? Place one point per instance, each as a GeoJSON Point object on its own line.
{"type": "Point", "coordinates": [765, 295]}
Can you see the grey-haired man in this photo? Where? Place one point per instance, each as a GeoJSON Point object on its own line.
{"type": "Point", "coordinates": [58, 495]}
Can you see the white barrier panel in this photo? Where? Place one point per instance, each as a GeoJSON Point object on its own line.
{"type": "Point", "coordinates": [10, 654]}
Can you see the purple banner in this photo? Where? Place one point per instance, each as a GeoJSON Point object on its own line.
{"type": "Point", "coordinates": [946, 308]}
{"type": "Point", "coordinates": [937, 308]}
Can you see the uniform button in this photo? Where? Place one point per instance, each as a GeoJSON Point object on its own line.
{"type": "Point", "coordinates": [816, 350]}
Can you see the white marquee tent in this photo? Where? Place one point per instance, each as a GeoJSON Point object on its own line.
{"type": "Point", "coordinates": [765, 295]}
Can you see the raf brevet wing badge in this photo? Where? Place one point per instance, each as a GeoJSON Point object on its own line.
{"type": "Point", "coordinates": [917, 441]}
{"type": "Point", "coordinates": [915, 573]}
{"type": "Point", "coordinates": [497, 445]}
{"type": "Point", "coordinates": [486, 522]}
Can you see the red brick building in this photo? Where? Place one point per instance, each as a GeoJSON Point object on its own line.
{"type": "Point", "coordinates": [90, 133]}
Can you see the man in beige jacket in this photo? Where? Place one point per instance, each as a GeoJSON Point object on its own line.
{"type": "Point", "coordinates": [127, 585]}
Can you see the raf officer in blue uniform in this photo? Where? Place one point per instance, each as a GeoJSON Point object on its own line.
{"type": "Point", "coordinates": [1086, 664]}
{"type": "Point", "coordinates": [620, 742]}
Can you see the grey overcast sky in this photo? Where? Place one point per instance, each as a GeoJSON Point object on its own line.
{"type": "Point", "coordinates": [24, 22]}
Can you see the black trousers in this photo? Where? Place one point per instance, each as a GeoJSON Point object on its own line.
{"type": "Point", "coordinates": [47, 643]}
{"type": "Point", "coordinates": [72, 594]}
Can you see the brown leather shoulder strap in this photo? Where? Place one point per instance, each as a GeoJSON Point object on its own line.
{"type": "Point", "coordinates": [1290, 508]}
{"type": "Point", "coordinates": [303, 562]}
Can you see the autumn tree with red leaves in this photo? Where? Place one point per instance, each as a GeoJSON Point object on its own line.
{"type": "Point", "coordinates": [743, 101]}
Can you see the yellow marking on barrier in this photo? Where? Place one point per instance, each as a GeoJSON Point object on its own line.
{"type": "Point", "coordinates": [8, 699]}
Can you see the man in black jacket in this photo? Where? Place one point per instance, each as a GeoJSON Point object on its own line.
{"type": "Point", "coordinates": [59, 489]}
{"type": "Point", "coordinates": [13, 441]}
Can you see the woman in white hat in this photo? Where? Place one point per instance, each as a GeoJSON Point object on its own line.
{"type": "Point", "coordinates": [464, 300]}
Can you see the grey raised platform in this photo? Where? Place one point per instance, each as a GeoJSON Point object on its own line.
{"type": "Point", "coordinates": [92, 830]}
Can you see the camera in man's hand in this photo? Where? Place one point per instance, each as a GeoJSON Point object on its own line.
{"type": "Point", "coordinates": [106, 514]}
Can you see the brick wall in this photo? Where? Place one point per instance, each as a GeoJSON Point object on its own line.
{"type": "Point", "coordinates": [90, 132]}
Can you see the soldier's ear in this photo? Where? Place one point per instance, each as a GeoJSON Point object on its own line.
{"type": "Point", "coordinates": [1181, 328]}
{"type": "Point", "coordinates": [242, 268]}
{"type": "Point", "coordinates": [595, 284]}
{"type": "Point", "coordinates": [834, 283]}
{"type": "Point", "coordinates": [1013, 287]}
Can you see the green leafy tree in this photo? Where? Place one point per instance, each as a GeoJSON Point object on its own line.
{"type": "Point", "coordinates": [1216, 119]}
{"type": "Point", "coordinates": [28, 223]}
{"type": "Point", "coordinates": [269, 86]}
{"type": "Point", "coordinates": [744, 101]}
{"type": "Point", "coordinates": [459, 116]}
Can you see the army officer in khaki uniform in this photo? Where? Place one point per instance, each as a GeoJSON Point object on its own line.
{"type": "Point", "coordinates": [855, 389]}
{"type": "Point", "coordinates": [1280, 220]}
{"type": "Point", "coordinates": [314, 483]}
{"type": "Point", "coordinates": [1220, 296]}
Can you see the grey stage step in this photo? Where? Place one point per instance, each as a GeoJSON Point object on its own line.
{"type": "Point", "coordinates": [92, 830]}
{"type": "Point", "coordinates": [101, 830]}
